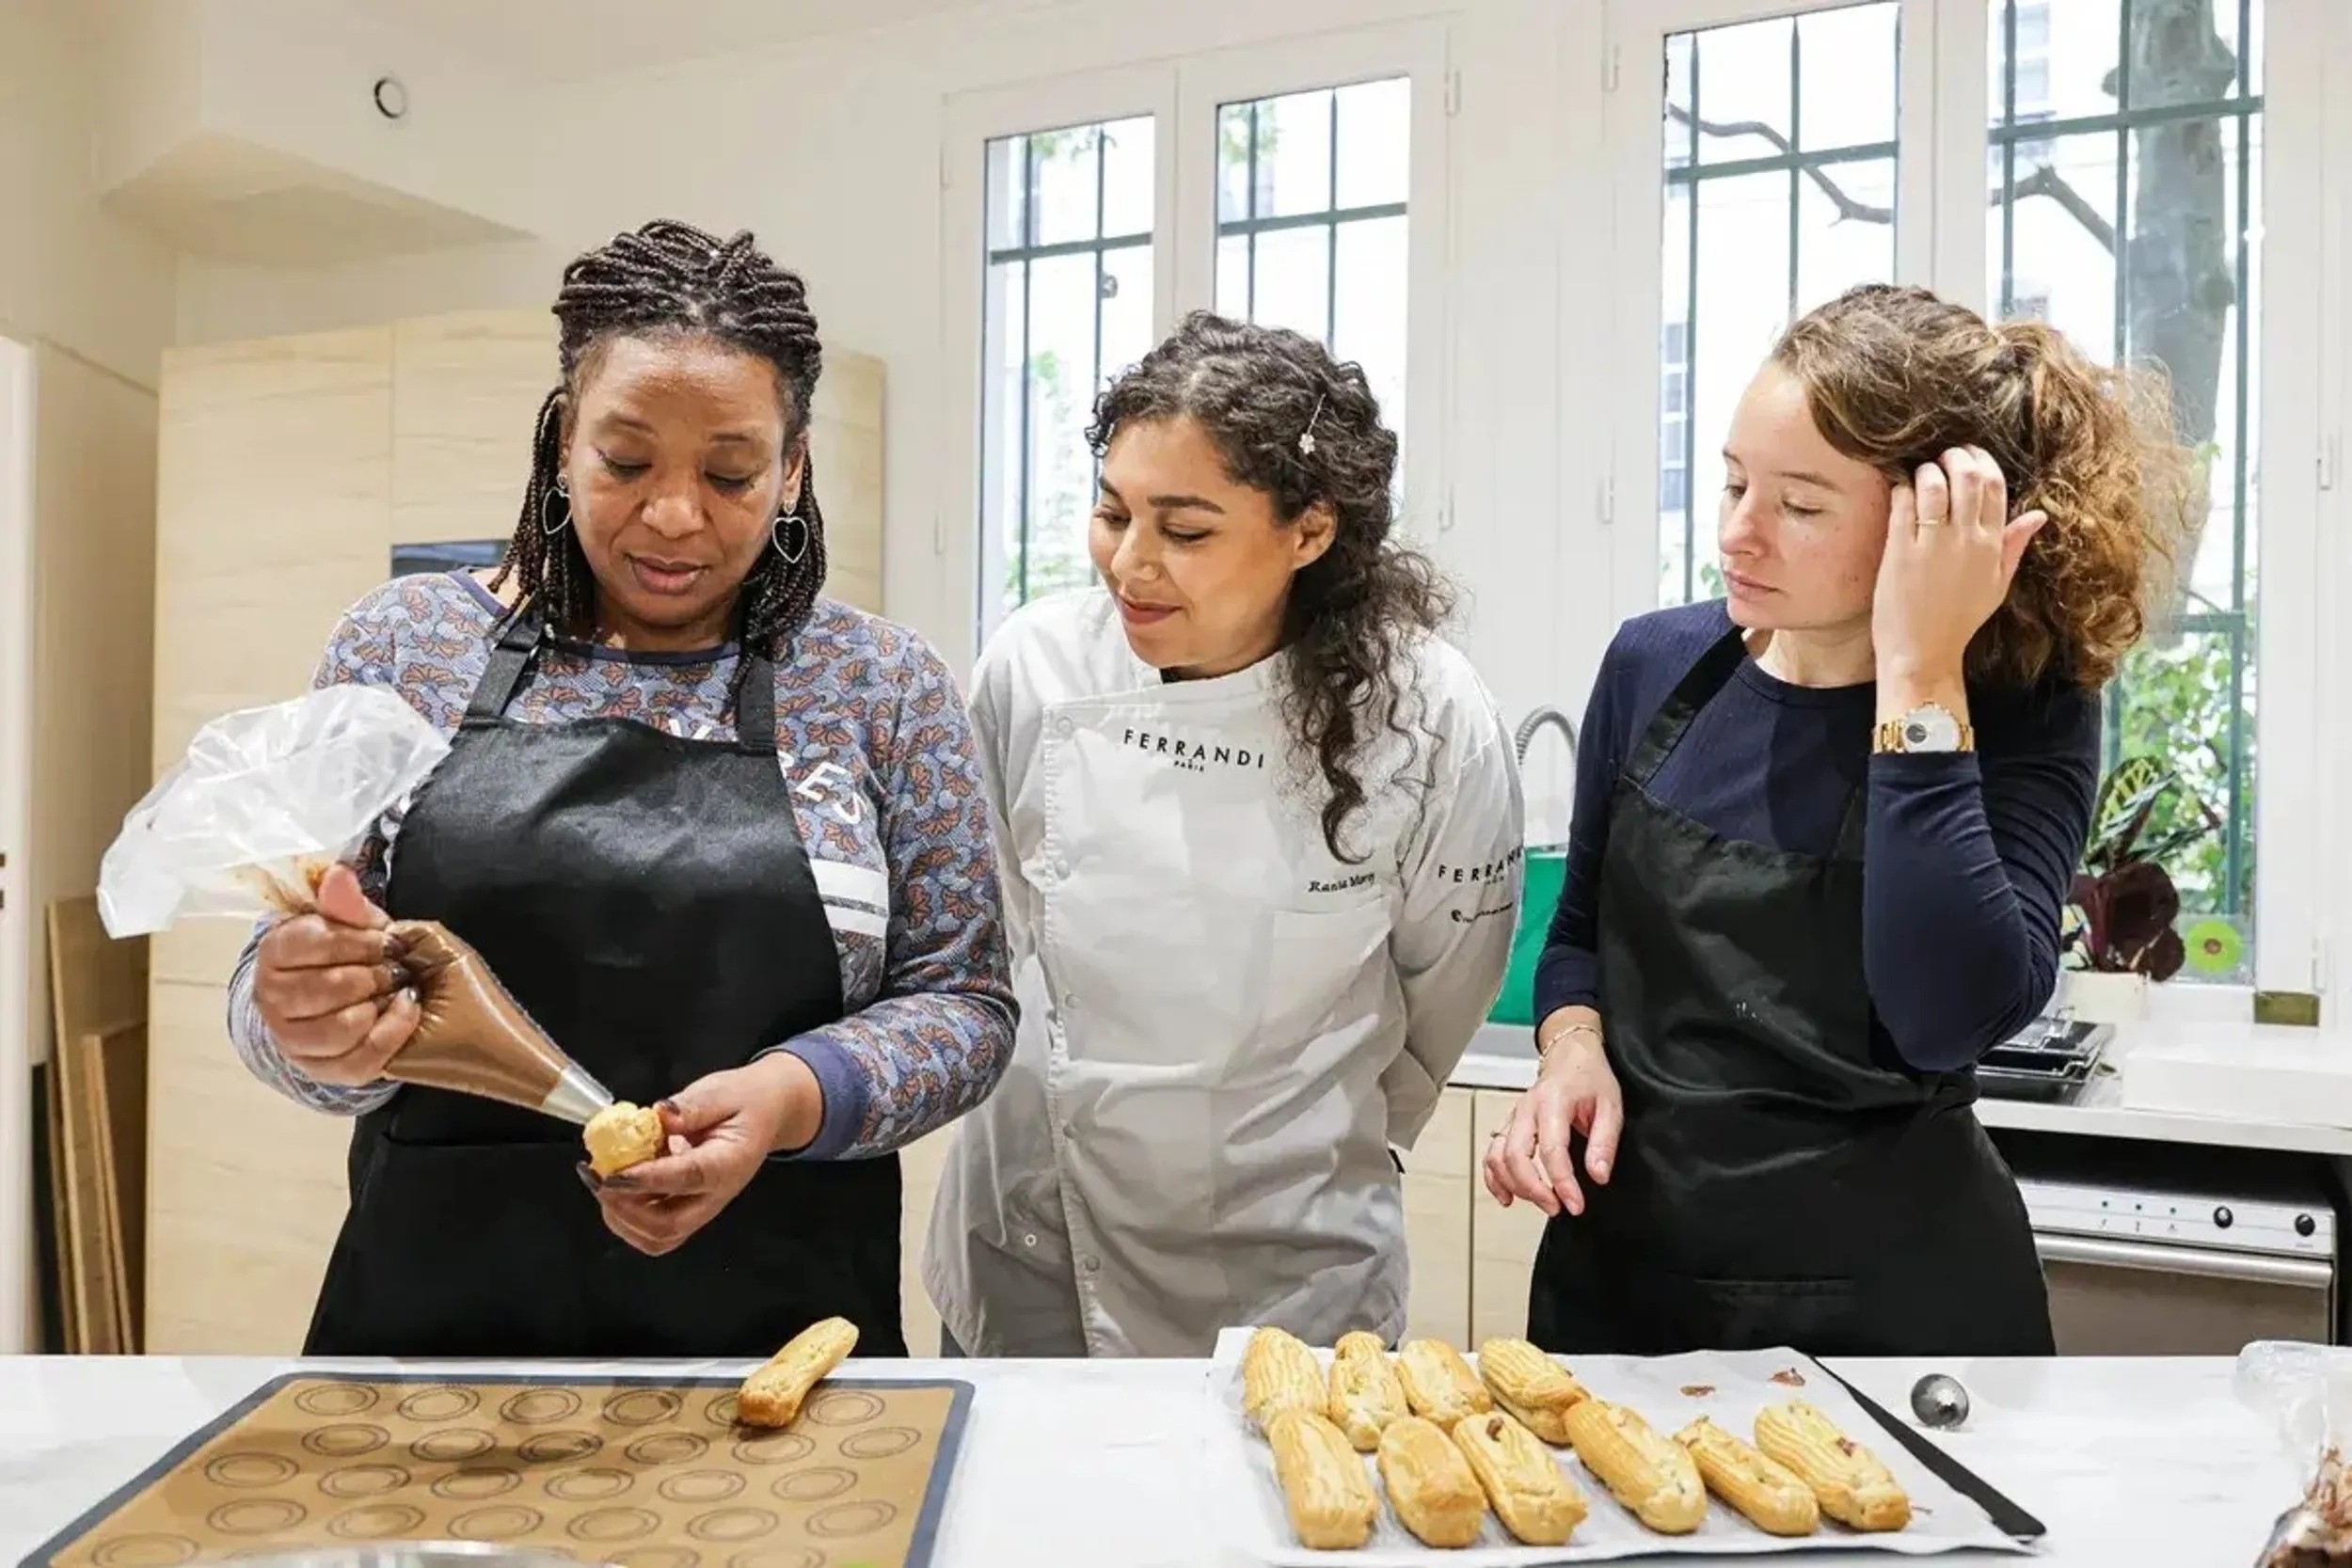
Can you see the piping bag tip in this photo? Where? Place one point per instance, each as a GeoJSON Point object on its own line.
{"type": "Point", "coordinates": [577, 1097]}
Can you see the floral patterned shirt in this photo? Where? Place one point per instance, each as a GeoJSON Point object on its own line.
{"type": "Point", "coordinates": [873, 738]}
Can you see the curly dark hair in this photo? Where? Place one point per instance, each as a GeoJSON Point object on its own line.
{"type": "Point", "coordinates": [1293, 423]}
{"type": "Point", "coordinates": [672, 278]}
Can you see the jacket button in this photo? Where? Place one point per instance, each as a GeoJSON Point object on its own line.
{"type": "Point", "coordinates": [1093, 1265]}
{"type": "Point", "coordinates": [1061, 869]}
{"type": "Point", "coordinates": [1070, 1130]}
{"type": "Point", "coordinates": [1063, 727]}
{"type": "Point", "coordinates": [1028, 1239]}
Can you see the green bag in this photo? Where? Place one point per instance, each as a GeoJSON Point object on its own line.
{"type": "Point", "coordinates": [1545, 869]}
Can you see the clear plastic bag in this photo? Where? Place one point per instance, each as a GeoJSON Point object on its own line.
{"type": "Point", "coordinates": [2305, 1392]}
{"type": "Point", "coordinates": [266, 800]}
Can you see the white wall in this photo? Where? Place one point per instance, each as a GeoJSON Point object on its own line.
{"type": "Point", "coordinates": [71, 273]}
{"type": "Point", "coordinates": [94, 299]}
{"type": "Point", "coordinates": [830, 151]}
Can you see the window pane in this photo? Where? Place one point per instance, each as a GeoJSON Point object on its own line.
{"type": "Point", "coordinates": [1233, 163]}
{"type": "Point", "coordinates": [1845, 230]}
{"type": "Point", "coordinates": [1368, 309]}
{"type": "Point", "coordinates": [1061, 311]}
{"type": "Point", "coordinates": [1329, 261]}
{"type": "Point", "coordinates": [2065, 55]}
{"type": "Point", "coordinates": [1841, 108]}
{"type": "Point", "coordinates": [1375, 142]}
{"type": "Point", "coordinates": [1745, 249]}
{"type": "Point", "coordinates": [1127, 178]}
{"type": "Point", "coordinates": [1294, 280]}
{"type": "Point", "coordinates": [1679, 131]}
{"type": "Point", "coordinates": [2181, 148]}
{"type": "Point", "coordinates": [1064, 161]}
{"type": "Point", "coordinates": [1742, 81]}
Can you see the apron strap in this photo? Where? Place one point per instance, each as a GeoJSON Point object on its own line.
{"type": "Point", "coordinates": [1695, 690]}
{"type": "Point", "coordinates": [502, 677]}
{"type": "Point", "coordinates": [755, 710]}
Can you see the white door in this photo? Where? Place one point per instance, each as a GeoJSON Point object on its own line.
{"type": "Point", "coordinates": [16, 911]}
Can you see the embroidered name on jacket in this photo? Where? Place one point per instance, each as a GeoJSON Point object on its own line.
{"type": "Point", "coordinates": [1491, 871]}
{"type": "Point", "coordinates": [1190, 754]}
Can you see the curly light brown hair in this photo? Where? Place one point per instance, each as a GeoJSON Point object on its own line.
{"type": "Point", "coordinates": [1894, 376]}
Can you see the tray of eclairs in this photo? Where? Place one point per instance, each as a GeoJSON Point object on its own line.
{"type": "Point", "coordinates": [1353, 1454]}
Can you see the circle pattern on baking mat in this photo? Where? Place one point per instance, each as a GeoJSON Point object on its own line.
{"type": "Point", "coordinates": [814, 1486]}
{"type": "Point", "coordinates": [724, 1411]}
{"type": "Point", "coordinates": [364, 1480]}
{"type": "Point", "coordinates": [474, 1483]}
{"type": "Point", "coordinates": [614, 1524]}
{"type": "Point", "coordinates": [776, 1447]}
{"type": "Point", "coordinates": [844, 1407]}
{"type": "Point", "coordinates": [376, 1522]}
{"type": "Point", "coordinates": [453, 1447]}
{"type": "Point", "coordinates": [880, 1442]}
{"type": "Point", "coordinates": [145, 1551]}
{"type": "Point", "coordinates": [257, 1516]}
{"type": "Point", "coordinates": [538, 1407]}
{"type": "Point", "coordinates": [335, 1398]}
{"type": "Point", "coordinates": [558, 1448]}
{"type": "Point", "coordinates": [779, 1556]}
{"type": "Point", "coordinates": [432, 1406]}
{"type": "Point", "coordinates": [500, 1521]}
{"type": "Point", "coordinates": [731, 1524]}
{"type": "Point", "coordinates": [669, 1448]}
{"type": "Point", "coordinates": [347, 1440]}
{"type": "Point", "coordinates": [701, 1486]}
{"type": "Point", "coordinates": [657, 1557]}
{"type": "Point", "coordinates": [643, 1407]}
{"type": "Point", "coordinates": [858, 1518]}
{"type": "Point", "coordinates": [249, 1471]}
{"type": "Point", "coordinates": [596, 1484]}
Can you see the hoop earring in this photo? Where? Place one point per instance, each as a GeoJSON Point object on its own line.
{"type": "Point", "coordinates": [775, 538]}
{"type": "Point", "coordinates": [560, 493]}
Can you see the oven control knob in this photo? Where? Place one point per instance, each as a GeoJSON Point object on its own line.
{"type": "Point", "coordinates": [2305, 1224]}
{"type": "Point", "coordinates": [2224, 1219]}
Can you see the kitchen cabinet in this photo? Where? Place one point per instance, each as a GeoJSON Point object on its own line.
{"type": "Point", "coordinates": [288, 470]}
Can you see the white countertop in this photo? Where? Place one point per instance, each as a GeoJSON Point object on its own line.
{"type": "Point", "coordinates": [1502, 1057]}
{"type": "Point", "coordinates": [2149, 1463]}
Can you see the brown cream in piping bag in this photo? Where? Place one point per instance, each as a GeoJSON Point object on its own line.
{"type": "Point", "coordinates": [470, 1037]}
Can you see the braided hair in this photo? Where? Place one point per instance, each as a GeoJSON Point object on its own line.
{"type": "Point", "coordinates": [1297, 425]}
{"type": "Point", "coordinates": [672, 278]}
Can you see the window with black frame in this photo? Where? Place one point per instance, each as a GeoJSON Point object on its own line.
{"type": "Point", "coordinates": [2125, 154]}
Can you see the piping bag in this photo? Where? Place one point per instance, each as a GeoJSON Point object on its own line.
{"type": "Point", "coordinates": [248, 823]}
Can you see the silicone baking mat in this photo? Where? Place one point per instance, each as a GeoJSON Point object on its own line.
{"type": "Point", "coordinates": [646, 1473]}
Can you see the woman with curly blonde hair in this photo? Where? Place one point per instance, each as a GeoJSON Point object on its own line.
{"type": "Point", "coordinates": [1825, 828]}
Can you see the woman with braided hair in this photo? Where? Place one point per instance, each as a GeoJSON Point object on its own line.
{"type": "Point", "coordinates": [720, 837]}
{"type": "Point", "coordinates": [1260, 828]}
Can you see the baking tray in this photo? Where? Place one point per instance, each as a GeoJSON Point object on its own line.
{"type": "Point", "coordinates": [1954, 1510]}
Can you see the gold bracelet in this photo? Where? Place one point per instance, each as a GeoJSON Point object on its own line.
{"type": "Point", "coordinates": [1543, 1047]}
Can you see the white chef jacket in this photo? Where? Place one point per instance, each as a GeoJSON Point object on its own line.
{"type": "Point", "coordinates": [1223, 1028]}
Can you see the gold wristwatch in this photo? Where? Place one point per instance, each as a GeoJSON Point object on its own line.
{"type": "Point", "coordinates": [1928, 727]}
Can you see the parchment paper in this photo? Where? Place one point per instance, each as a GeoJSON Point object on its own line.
{"type": "Point", "coordinates": [1740, 1384]}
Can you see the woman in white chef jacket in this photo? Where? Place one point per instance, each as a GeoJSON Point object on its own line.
{"type": "Point", "coordinates": [1260, 833]}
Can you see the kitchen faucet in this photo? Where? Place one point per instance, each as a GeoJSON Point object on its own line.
{"type": "Point", "coordinates": [1537, 721]}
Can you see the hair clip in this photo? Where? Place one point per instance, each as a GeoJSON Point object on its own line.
{"type": "Point", "coordinates": [1306, 437]}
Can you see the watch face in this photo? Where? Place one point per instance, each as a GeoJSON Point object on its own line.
{"type": "Point", "coordinates": [1931, 729]}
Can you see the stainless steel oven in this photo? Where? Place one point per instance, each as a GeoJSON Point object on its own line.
{"type": "Point", "coordinates": [2179, 1250]}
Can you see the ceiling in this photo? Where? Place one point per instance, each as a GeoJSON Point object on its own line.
{"type": "Point", "coordinates": [554, 40]}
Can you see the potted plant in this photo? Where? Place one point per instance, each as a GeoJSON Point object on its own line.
{"type": "Point", "coordinates": [2119, 933]}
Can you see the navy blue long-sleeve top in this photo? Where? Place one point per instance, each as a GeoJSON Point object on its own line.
{"type": "Point", "coordinates": [1967, 856]}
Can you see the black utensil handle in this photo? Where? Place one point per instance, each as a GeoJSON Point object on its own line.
{"type": "Point", "coordinates": [2010, 1519]}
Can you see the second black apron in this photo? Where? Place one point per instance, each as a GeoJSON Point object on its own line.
{"type": "Point", "coordinates": [1780, 1180]}
{"type": "Point", "coordinates": [646, 899]}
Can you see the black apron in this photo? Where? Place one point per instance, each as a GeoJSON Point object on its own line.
{"type": "Point", "coordinates": [646, 901]}
{"type": "Point", "coordinates": [1781, 1180]}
